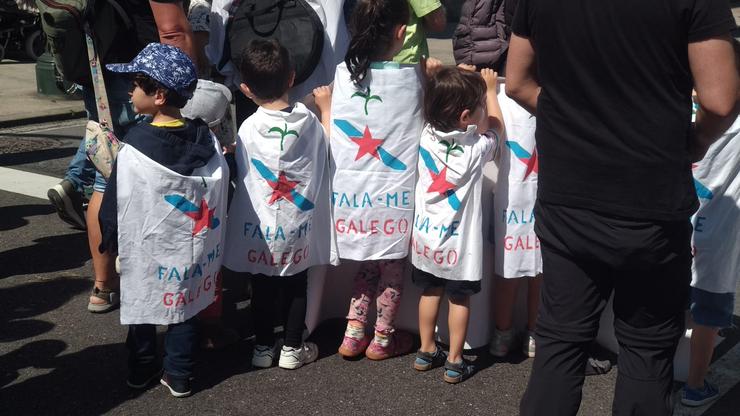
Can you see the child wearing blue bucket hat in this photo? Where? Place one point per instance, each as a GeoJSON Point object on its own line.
{"type": "Point", "coordinates": [162, 212]}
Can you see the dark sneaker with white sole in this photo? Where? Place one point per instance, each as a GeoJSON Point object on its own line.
{"type": "Point", "coordinates": [69, 203]}
{"type": "Point", "coordinates": [140, 378]}
{"type": "Point", "coordinates": [179, 386]}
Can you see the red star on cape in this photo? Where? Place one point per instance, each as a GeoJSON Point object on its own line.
{"type": "Point", "coordinates": [282, 188]}
{"type": "Point", "coordinates": [440, 183]}
{"type": "Point", "coordinates": [533, 164]}
{"type": "Point", "coordinates": [202, 218]}
{"type": "Point", "coordinates": [368, 144]}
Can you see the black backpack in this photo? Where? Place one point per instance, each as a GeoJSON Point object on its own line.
{"type": "Point", "coordinates": [293, 23]}
{"type": "Point", "coordinates": [63, 22]}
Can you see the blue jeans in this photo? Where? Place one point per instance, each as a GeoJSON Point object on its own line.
{"type": "Point", "coordinates": [179, 347]}
{"type": "Point", "coordinates": [81, 171]}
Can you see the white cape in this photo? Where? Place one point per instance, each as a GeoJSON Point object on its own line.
{"type": "Point", "coordinates": [280, 218]}
{"type": "Point", "coordinates": [516, 246]}
{"type": "Point", "coordinates": [374, 148]}
{"type": "Point", "coordinates": [448, 224]}
{"type": "Point", "coordinates": [170, 237]}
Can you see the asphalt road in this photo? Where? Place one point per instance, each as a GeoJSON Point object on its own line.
{"type": "Point", "coordinates": [56, 358]}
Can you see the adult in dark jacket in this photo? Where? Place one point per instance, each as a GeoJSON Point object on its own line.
{"type": "Point", "coordinates": [610, 84]}
{"type": "Point", "coordinates": [482, 36]}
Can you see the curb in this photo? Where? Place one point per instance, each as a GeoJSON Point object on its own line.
{"type": "Point", "coordinates": [69, 115]}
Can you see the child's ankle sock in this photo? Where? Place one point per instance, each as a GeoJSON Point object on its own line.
{"type": "Point", "coordinates": [382, 339]}
{"type": "Point", "coordinates": [354, 330]}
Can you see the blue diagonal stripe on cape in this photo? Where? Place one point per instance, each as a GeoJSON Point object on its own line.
{"type": "Point", "coordinates": [429, 163]}
{"type": "Point", "coordinates": [387, 158]}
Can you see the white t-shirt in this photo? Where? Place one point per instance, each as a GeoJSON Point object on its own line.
{"type": "Point", "coordinates": [280, 218]}
{"type": "Point", "coordinates": [448, 236]}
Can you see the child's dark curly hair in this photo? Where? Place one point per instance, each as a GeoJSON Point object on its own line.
{"type": "Point", "coordinates": [448, 93]}
{"type": "Point", "coordinates": [150, 87]}
{"type": "Point", "coordinates": [371, 26]}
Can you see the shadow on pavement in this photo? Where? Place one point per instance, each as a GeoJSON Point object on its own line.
{"type": "Point", "coordinates": [14, 216]}
{"type": "Point", "coordinates": [87, 382]}
{"type": "Point", "coordinates": [48, 254]}
{"type": "Point", "coordinates": [22, 158]}
{"type": "Point", "coordinates": [29, 300]}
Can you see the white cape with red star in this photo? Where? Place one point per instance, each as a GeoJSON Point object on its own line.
{"type": "Point", "coordinates": [517, 249]}
{"type": "Point", "coordinates": [448, 224]}
{"type": "Point", "coordinates": [374, 148]}
{"type": "Point", "coordinates": [170, 237]}
{"type": "Point", "coordinates": [280, 218]}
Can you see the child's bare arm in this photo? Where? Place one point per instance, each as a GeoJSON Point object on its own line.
{"type": "Point", "coordinates": [322, 97]}
{"type": "Point", "coordinates": [495, 117]}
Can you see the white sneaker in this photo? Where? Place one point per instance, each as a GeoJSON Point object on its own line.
{"type": "Point", "coordinates": [528, 344]}
{"type": "Point", "coordinates": [292, 358]}
{"type": "Point", "coordinates": [501, 342]}
{"type": "Point", "coordinates": [263, 355]}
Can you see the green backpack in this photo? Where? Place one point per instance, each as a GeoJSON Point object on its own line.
{"type": "Point", "coordinates": [64, 22]}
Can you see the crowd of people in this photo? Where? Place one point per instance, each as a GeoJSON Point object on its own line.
{"type": "Point", "coordinates": [376, 155]}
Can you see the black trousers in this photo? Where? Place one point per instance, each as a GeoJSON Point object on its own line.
{"type": "Point", "coordinates": [586, 257]}
{"type": "Point", "coordinates": [266, 291]}
{"type": "Point", "coordinates": [179, 347]}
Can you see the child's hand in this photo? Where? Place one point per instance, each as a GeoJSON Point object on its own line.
{"type": "Point", "coordinates": [490, 77]}
{"type": "Point", "coordinates": [322, 98]}
{"type": "Point", "coordinates": [466, 67]}
{"type": "Point", "coordinates": [430, 66]}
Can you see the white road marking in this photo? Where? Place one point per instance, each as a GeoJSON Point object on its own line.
{"type": "Point", "coordinates": [723, 373]}
{"type": "Point", "coordinates": [26, 183]}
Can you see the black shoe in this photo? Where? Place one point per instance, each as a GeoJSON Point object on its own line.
{"type": "Point", "coordinates": [179, 386]}
{"type": "Point", "coordinates": [140, 378]}
{"type": "Point", "coordinates": [68, 203]}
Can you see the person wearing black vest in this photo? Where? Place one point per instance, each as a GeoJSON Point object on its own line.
{"type": "Point", "coordinates": [610, 84]}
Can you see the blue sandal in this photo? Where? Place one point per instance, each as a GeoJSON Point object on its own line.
{"type": "Point", "coordinates": [457, 372]}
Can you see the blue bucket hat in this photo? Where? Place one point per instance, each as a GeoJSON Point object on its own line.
{"type": "Point", "coordinates": [165, 64]}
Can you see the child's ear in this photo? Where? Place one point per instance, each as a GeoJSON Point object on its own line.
{"type": "Point", "coordinates": [401, 32]}
{"type": "Point", "coordinates": [246, 91]}
{"type": "Point", "coordinates": [159, 97]}
{"type": "Point", "coordinates": [465, 118]}
{"type": "Point", "coordinates": [291, 81]}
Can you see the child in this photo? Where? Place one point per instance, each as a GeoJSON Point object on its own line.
{"type": "Point", "coordinates": [376, 123]}
{"type": "Point", "coordinates": [716, 266]}
{"type": "Point", "coordinates": [517, 250]}
{"type": "Point", "coordinates": [464, 124]}
{"type": "Point", "coordinates": [165, 201]}
{"type": "Point", "coordinates": [280, 219]}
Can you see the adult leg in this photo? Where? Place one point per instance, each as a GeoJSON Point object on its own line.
{"type": "Point", "coordinates": [572, 299]}
{"type": "Point", "coordinates": [533, 300]}
{"type": "Point", "coordinates": [649, 306]}
{"type": "Point", "coordinates": [106, 280]}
